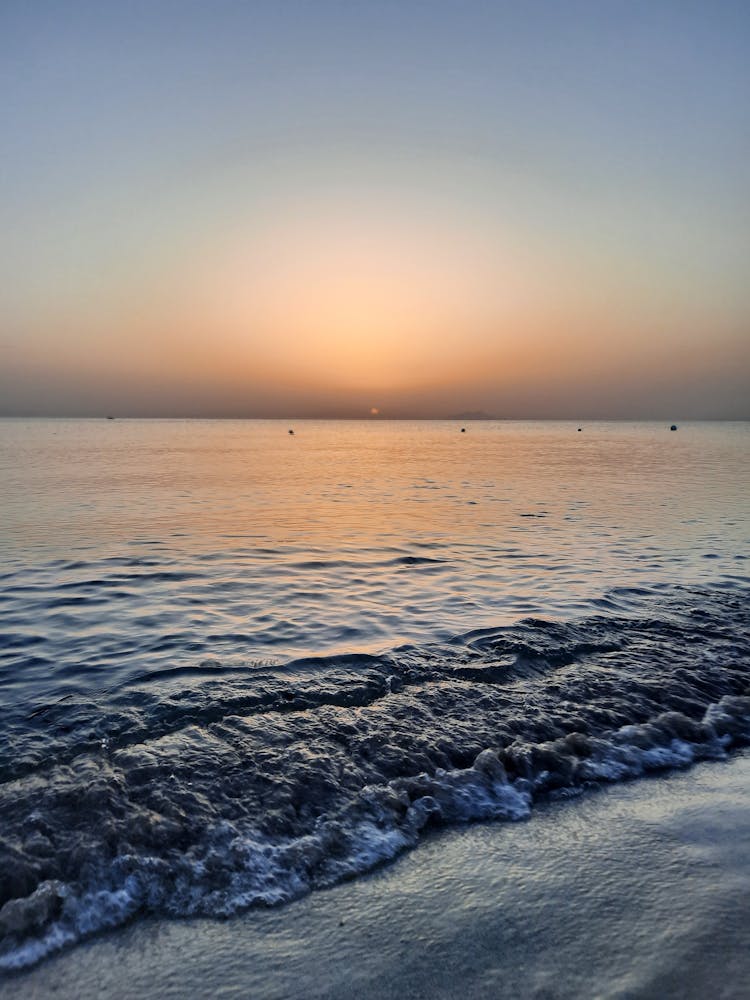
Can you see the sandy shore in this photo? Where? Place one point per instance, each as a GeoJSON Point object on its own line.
{"type": "Point", "coordinates": [640, 890]}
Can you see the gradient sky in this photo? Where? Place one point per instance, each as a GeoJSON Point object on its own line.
{"type": "Point", "coordinates": [316, 208]}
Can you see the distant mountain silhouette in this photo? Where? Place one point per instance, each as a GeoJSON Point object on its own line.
{"type": "Point", "coordinates": [472, 415]}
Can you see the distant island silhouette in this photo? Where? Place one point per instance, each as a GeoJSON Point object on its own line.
{"type": "Point", "coordinates": [472, 415]}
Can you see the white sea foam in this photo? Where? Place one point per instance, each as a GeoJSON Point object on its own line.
{"type": "Point", "coordinates": [233, 871]}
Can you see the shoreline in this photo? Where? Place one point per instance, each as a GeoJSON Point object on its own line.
{"type": "Point", "coordinates": [635, 890]}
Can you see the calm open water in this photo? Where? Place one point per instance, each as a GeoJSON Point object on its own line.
{"type": "Point", "coordinates": [237, 664]}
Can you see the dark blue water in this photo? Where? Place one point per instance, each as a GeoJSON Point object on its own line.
{"type": "Point", "coordinates": [237, 665]}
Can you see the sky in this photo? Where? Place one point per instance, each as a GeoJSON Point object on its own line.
{"type": "Point", "coordinates": [421, 207]}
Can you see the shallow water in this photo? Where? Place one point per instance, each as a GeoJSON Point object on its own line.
{"type": "Point", "coordinates": [238, 664]}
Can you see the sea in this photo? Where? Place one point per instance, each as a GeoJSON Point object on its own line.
{"type": "Point", "coordinates": [242, 661]}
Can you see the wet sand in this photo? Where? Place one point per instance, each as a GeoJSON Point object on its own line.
{"type": "Point", "coordinates": [637, 890]}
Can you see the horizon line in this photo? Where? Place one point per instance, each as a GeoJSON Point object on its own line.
{"type": "Point", "coordinates": [367, 418]}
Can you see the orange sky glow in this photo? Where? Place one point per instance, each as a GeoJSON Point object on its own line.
{"type": "Point", "coordinates": [416, 243]}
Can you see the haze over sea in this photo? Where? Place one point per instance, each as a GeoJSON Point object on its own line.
{"type": "Point", "coordinates": [238, 664]}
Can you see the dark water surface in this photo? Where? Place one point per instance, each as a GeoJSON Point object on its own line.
{"type": "Point", "coordinates": [236, 665]}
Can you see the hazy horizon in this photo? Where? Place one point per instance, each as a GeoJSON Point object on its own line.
{"type": "Point", "coordinates": [395, 418]}
{"type": "Point", "coordinates": [293, 210]}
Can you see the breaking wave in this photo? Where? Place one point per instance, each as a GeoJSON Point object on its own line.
{"type": "Point", "coordinates": [213, 792]}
